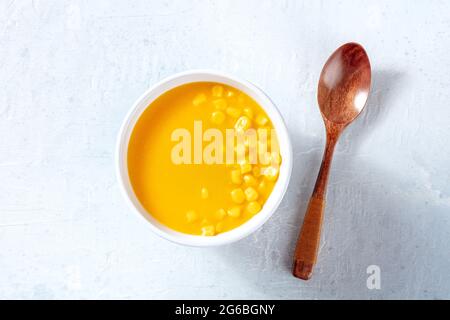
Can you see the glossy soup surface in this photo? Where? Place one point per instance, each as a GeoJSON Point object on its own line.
{"type": "Point", "coordinates": [199, 199]}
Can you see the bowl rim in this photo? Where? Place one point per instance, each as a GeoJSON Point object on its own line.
{"type": "Point", "coordinates": [204, 75]}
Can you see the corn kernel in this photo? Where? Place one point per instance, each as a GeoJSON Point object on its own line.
{"type": "Point", "coordinates": [262, 147]}
{"type": "Point", "coordinates": [220, 214]}
{"type": "Point", "coordinates": [251, 194]}
{"type": "Point", "coordinates": [218, 117]}
{"type": "Point", "coordinates": [250, 148]}
{"type": "Point", "coordinates": [248, 112]}
{"type": "Point", "coordinates": [217, 91]}
{"type": "Point", "coordinates": [248, 141]}
{"type": "Point", "coordinates": [264, 158]}
{"type": "Point", "coordinates": [240, 150]}
{"type": "Point", "coordinates": [243, 123]}
{"type": "Point", "coordinates": [263, 132]}
{"type": "Point", "coordinates": [250, 180]}
{"type": "Point", "coordinates": [219, 227]}
{"type": "Point", "coordinates": [220, 104]}
{"type": "Point", "coordinates": [191, 216]}
{"type": "Point", "coordinates": [233, 112]}
{"type": "Point", "coordinates": [237, 195]}
{"type": "Point", "coordinates": [256, 171]}
{"type": "Point", "coordinates": [276, 158]}
{"type": "Point", "coordinates": [204, 193]}
{"type": "Point", "coordinates": [261, 120]}
{"type": "Point", "coordinates": [264, 155]}
{"type": "Point", "coordinates": [230, 93]}
{"type": "Point", "coordinates": [234, 212]}
{"type": "Point", "coordinates": [208, 231]}
{"type": "Point", "coordinates": [236, 176]}
{"type": "Point", "coordinates": [254, 207]}
{"type": "Point", "coordinates": [271, 173]}
{"type": "Point", "coordinates": [262, 186]}
{"type": "Point", "coordinates": [199, 99]}
{"type": "Point", "coordinates": [246, 167]}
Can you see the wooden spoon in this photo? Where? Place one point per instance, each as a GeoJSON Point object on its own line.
{"type": "Point", "coordinates": [344, 87]}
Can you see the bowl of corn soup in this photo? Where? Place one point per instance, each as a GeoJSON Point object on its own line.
{"type": "Point", "coordinates": [204, 157]}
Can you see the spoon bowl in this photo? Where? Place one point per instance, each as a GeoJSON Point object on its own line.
{"type": "Point", "coordinates": [344, 84]}
{"type": "Point", "coordinates": [343, 90]}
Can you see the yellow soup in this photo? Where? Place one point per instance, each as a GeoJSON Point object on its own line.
{"type": "Point", "coordinates": [187, 176]}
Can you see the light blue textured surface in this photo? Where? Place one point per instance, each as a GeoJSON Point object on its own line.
{"type": "Point", "coordinates": [70, 70]}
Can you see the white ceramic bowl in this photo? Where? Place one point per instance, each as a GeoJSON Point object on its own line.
{"type": "Point", "coordinates": [285, 149]}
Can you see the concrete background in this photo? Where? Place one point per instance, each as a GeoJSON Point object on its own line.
{"type": "Point", "coordinates": [70, 71]}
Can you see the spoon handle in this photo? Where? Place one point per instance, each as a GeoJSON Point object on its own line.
{"type": "Point", "coordinates": [309, 240]}
{"type": "Point", "coordinates": [305, 255]}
